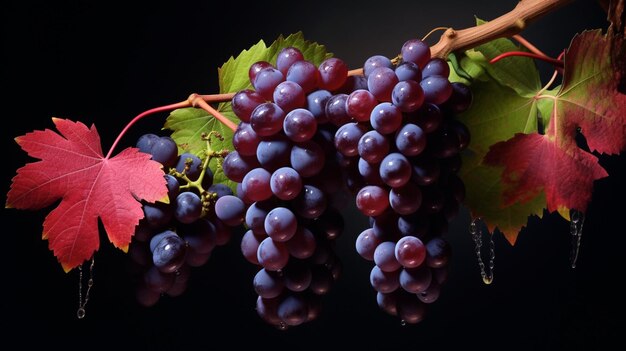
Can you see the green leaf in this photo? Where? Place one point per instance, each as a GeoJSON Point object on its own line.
{"type": "Point", "coordinates": [484, 194]}
{"type": "Point", "coordinates": [518, 73]}
{"type": "Point", "coordinates": [545, 107]}
{"type": "Point", "coordinates": [190, 123]}
{"type": "Point", "coordinates": [497, 114]}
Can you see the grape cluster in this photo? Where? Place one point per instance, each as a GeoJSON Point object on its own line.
{"type": "Point", "coordinates": [283, 158]}
{"type": "Point", "coordinates": [174, 236]}
{"type": "Point", "coordinates": [404, 144]}
{"type": "Point", "coordinates": [292, 295]}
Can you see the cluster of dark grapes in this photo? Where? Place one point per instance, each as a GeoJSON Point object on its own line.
{"type": "Point", "coordinates": [389, 133]}
{"type": "Point", "coordinates": [292, 295]}
{"type": "Point", "coordinates": [404, 144]}
{"type": "Point", "coordinates": [281, 162]}
{"type": "Point", "coordinates": [180, 234]}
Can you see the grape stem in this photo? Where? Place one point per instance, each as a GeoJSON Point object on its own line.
{"type": "Point", "coordinates": [555, 62]}
{"type": "Point", "coordinates": [193, 100]}
{"type": "Point", "coordinates": [198, 101]}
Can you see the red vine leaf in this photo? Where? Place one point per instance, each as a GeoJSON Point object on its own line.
{"type": "Point", "coordinates": [72, 168]}
{"type": "Point", "coordinates": [533, 163]}
{"type": "Point", "coordinates": [553, 163]}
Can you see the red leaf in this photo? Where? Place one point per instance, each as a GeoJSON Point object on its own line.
{"type": "Point", "coordinates": [90, 186]}
{"type": "Point", "coordinates": [533, 163]}
{"type": "Point", "coordinates": [589, 99]}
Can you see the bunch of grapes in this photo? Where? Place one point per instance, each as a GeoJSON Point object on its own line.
{"type": "Point", "coordinates": [405, 144]}
{"type": "Point", "coordinates": [283, 146]}
{"type": "Point", "coordinates": [292, 296]}
{"type": "Point", "coordinates": [180, 234]}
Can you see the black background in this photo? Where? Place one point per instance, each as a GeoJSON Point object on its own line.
{"type": "Point", "coordinates": [103, 63]}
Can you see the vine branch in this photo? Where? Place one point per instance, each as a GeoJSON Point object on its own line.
{"type": "Point", "coordinates": [507, 25]}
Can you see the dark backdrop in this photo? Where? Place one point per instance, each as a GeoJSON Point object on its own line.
{"type": "Point", "coordinates": [103, 63]}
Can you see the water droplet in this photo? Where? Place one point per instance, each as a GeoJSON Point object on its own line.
{"type": "Point", "coordinates": [402, 322]}
{"type": "Point", "coordinates": [80, 313]}
{"type": "Point", "coordinates": [282, 326]}
{"type": "Point", "coordinates": [575, 216]}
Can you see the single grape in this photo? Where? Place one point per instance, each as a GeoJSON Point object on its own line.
{"type": "Point", "coordinates": [384, 282]}
{"type": "Point", "coordinates": [158, 281]}
{"type": "Point", "coordinates": [336, 110]}
{"type": "Point", "coordinates": [273, 153]}
{"type": "Point", "coordinates": [384, 257]}
{"type": "Point", "coordinates": [460, 100]}
{"type": "Point", "coordinates": [311, 202]}
{"type": "Point", "coordinates": [188, 207]}
{"type": "Point", "coordinates": [410, 252]}
{"type": "Point", "coordinates": [267, 119]}
{"type": "Point", "coordinates": [437, 252]}
{"type": "Point", "coordinates": [255, 68]}
{"type": "Point", "coordinates": [305, 74]}
{"type": "Point", "coordinates": [395, 170]}
{"type": "Point", "coordinates": [410, 140]}
{"type": "Point", "coordinates": [360, 104]}
{"type": "Point", "coordinates": [431, 294]}
{"type": "Point", "coordinates": [245, 139]}
{"type": "Point", "coordinates": [244, 102]}
{"type": "Point", "coordinates": [426, 171]}
{"type": "Point", "coordinates": [388, 303]}
{"type": "Point", "coordinates": [405, 199]}
{"type": "Point", "coordinates": [169, 254]}
{"type": "Point", "coordinates": [321, 280]}
{"type": "Point", "coordinates": [410, 309]}
{"type": "Point", "coordinates": [436, 89]}
{"type": "Point", "coordinates": [316, 104]}
{"type": "Point", "coordinates": [255, 216]}
{"type": "Point", "coordinates": [347, 138]}
{"type": "Point", "coordinates": [268, 285]}
{"type": "Point", "coordinates": [158, 237]}
{"type": "Point", "coordinates": [332, 73]}
{"type": "Point", "coordinates": [146, 141]}
{"type": "Point", "coordinates": [266, 80]}
{"type": "Point", "coordinates": [386, 118]}
{"type": "Point", "coordinates": [407, 96]}
{"type": "Point", "coordinates": [370, 173]}
{"type": "Point", "coordinates": [289, 96]}
{"type": "Point", "coordinates": [200, 236]}
{"type": "Point", "coordinates": [230, 210]}
{"type": "Point", "coordinates": [272, 255]}
{"type": "Point", "coordinates": [372, 200]}
{"type": "Point", "coordinates": [280, 224]}
{"type": "Point", "coordinates": [287, 57]}
{"type": "Point", "coordinates": [436, 67]}
{"type": "Point", "coordinates": [165, 151]}
{"type": "Point", "coordinates": [373, 147]}
{"type": "Point", "coordinates": [429, 117]}
{"type": "Point", "coordinates": [298, 276]}
{"type": "Point", "coordinates": [303, 243]}
{"type": "Point", "coordinates": [415, 280]}
{"type": "Point", "coordinates": [408, 71]}
{"type": "Point", "coordinates": [375, 62]}
{"type": "Point", "coordinates": [286, 183]}
{"type": "Point", "coordinates": [158, 214]}
{"type": "Point", "coordinates": [307, 158]}
{"type": "Point", "coordinates": [300, 125]}
{"type": "Point", "coordinates": [366, 243]}
{"type": "Point", "coordinates": [416, 51]}
{"type": "Point", "coordinates": [256, 185]}
{"type": "Point", "coordinates": [381, 82]}
{"type": "Point", "coordinates": [267, 309]}
{"type": "Point", "coordinates": [293, 310]}
{"type": "Point", "coordinates": [236, 166]}
{"type": "Point", "coordinates": [414, 225]}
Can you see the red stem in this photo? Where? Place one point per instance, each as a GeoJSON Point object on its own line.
{"type": "Point", "coordinates": [555, 62]}
{"type": "Point", "coordinates": [528, 45]}
{"type": "Point", "coordinates": [181, 104]}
